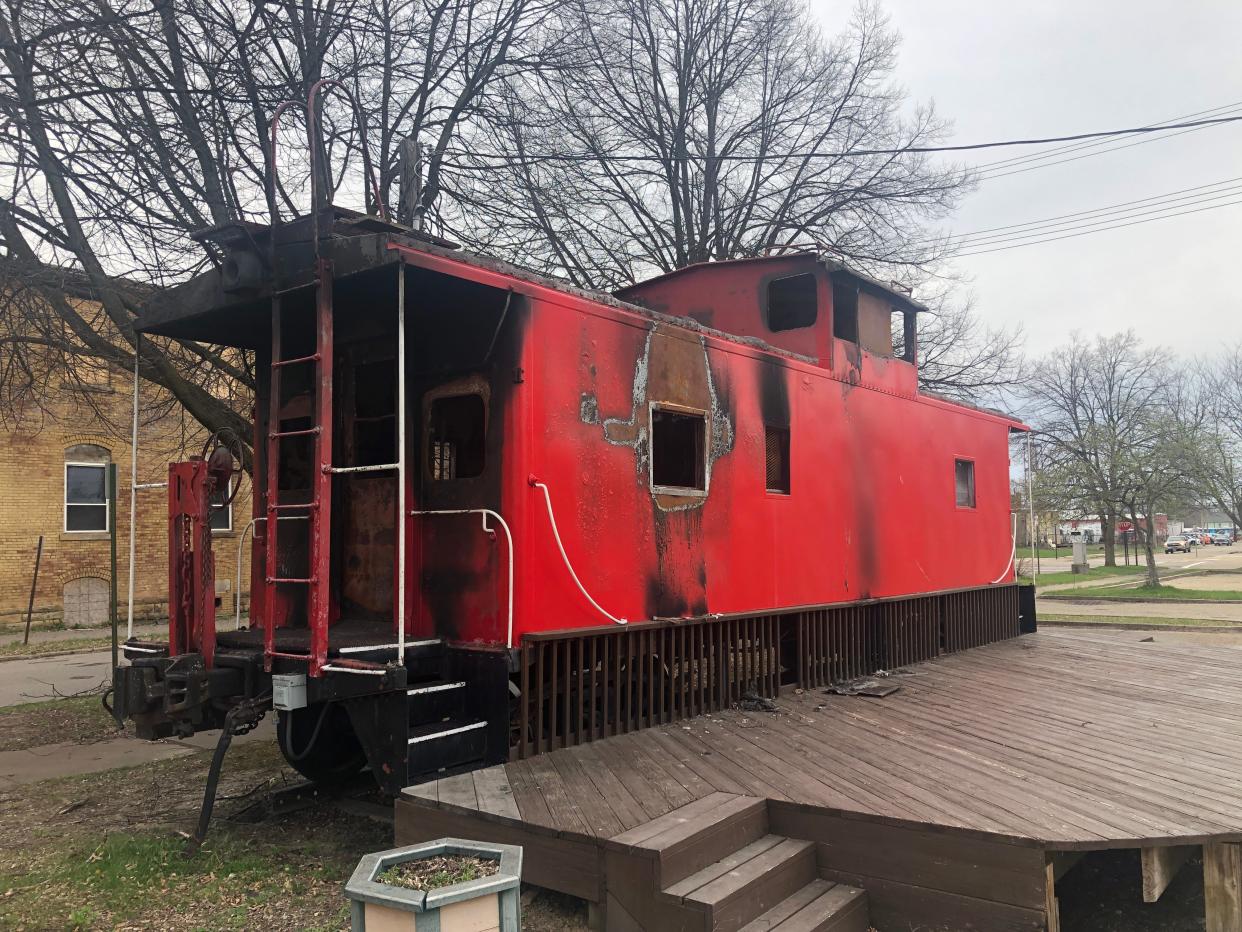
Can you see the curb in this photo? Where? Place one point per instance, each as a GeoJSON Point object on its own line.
{"type": "Point", "coordinates": [1138, 627]}
{"type": "Point", "coordinates": [55, 653]}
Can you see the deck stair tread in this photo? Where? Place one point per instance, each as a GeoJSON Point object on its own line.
{"type": "Point", "coordinates": [640, 835]}
{"type": "Point", "coordinates": [743, 879]}
{"type": "Point", "coordinates": [820, 906]}
{"type": "Point", "coordinates": [688, 887]}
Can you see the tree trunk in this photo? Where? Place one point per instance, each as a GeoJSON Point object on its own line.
{"type": "Point", "coordinates": [1108, 532]}
{"type": "Point", "coordinates": [1148, 533]}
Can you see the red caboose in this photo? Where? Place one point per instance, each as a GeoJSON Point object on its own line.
{"type": "Point", "coordinates": [497, 514]}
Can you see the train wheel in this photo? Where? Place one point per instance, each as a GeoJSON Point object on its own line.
{"type": "Point", "coordinates": [320, 744]}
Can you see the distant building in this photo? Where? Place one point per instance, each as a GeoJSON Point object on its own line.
{"type": "Point", "coordinates": [53, 462]}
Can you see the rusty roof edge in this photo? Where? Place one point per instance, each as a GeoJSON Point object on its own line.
{"type": "Point", "coordinates": [971, 406]}
{"type": "Point", "coordinates": [599, 297]}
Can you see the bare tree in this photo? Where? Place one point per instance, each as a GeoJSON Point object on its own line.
{"type": "Point", "coordinates": [128, 125]}
{"type": "Point", "coordinates": [1102, 418]}
{"type": "Point", "coordinates": [678, 131]}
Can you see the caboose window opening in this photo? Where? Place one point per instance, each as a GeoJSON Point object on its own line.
{"type": "Point", "coordinates": [456, 437]}
{"type": "Point", "coordinates": [792, 302]}
{"type": "Point", "coordinates": [776, 443]}
{"type": "Point", "coordinates": [845, 312]}
{"type": "Point", "coordinates": [678, 449]}
{"type": "Point", "coordinates": [964, 483]}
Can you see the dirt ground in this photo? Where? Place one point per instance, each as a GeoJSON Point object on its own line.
{"type": "Point", "coordinates": [107, 850]}
{"type": "Point", "coordinates": [1104, 893]}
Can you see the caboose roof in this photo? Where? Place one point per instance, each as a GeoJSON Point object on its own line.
{"type": "Point", "coordinates": [838, 271]}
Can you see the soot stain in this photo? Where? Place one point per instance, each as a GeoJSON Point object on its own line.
{"type": "Point", "coordinates": [774, 395]}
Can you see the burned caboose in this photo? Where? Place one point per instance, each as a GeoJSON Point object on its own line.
{"type": "Point", "coordinates": [496, 514]}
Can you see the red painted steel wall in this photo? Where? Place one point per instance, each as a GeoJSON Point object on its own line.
{"type": "Point", "coordinates": [871, 512]}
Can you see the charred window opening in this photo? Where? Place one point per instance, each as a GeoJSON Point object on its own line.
{"type": "Point", "coordinates": [845, 312]}
{"type": "Point", "coordinates": [456, 437]}
{"type": "Point", "coordinates": [678, 450]}
{"type": "Point", "coordinates": [792, 302]}
{"type": "Point", "coordinates": [964, 482]}
{"type": "Point", "coordinates": [375, 413]}
{"type": "Point", "coordinates": [776, 441]}
{"type": "Point", "coordinates": [905, 335]}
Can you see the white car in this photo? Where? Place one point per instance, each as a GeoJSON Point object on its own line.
{"type": "Point", "coordinates": [1177, 545]}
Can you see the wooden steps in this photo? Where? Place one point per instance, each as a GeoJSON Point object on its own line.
{"type": "Point", "coordinates": [713, 866]}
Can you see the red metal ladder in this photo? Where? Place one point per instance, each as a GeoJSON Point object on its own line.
{"type": "Point", "coordinates": [319, 509]}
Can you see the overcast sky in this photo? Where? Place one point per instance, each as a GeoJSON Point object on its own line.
{"type": "Point", "coordinates": [1003, 71]}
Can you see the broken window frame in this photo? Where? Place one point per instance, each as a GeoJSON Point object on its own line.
{"type": "Point", "coordinates": [702, 466]}
{"type": "Point", "coordinates": [958, 462]}
{"type": "Point", "coordinates": [447, 393]}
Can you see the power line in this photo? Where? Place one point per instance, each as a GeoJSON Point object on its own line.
{"type": "Point", "coordinates": [903, 150]}
{"type": "Point", "coordinates": [1018, 159]}
{"type": "Point", "coordinates": [1105, 224]}
{"type": "Point", "coordinates": [1053, 239]}
{"type": "Point", "coordinates": [1169, 196]}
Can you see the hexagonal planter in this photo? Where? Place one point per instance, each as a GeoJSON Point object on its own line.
{"type": "Point", "coordinates": [487, 904]}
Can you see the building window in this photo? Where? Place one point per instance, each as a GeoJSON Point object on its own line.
{"type": "Point", "coordinates": [844, 312]}
{"type": "Point", "coordinates": [964, 482]}
{"type": "Point", "coordinates": [776, 442]}
{"type": "Point", "coordinates": [678, 450]}
{"type": "Point", "coordinates": [222, 508]}
{"type": "Point", "coordinates": [457, 431]}
{"type": "Point", "coordinates": [792, 302]}
{"type": "Point", "coordinates": [86, 498]}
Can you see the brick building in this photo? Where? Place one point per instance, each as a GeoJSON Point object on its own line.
{"type": "Point", "coordinates": [52, 479]}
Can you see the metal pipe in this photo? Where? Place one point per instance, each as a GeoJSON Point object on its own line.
{"type": "Point", "coordinates": [381, 467]}
{"type": "Point", "coordinates": [556, 535]}
{"type": "Point", "coordinates": [133, 498]}
{"type": "Point", "coordinates": [150, 485]}
{"type": "Point", "coordinates": [237, 593]}
{"type": "Point", "coordinates": [488, 513]}
{"type": "Point", "coordinates": [401, 462]}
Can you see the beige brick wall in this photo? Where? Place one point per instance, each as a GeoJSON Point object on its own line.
{"type": "Point", "coordinates": [32, 477]}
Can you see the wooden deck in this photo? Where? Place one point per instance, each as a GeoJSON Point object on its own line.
{"type": "Point", "coordinates": [957, 802]}
{"type": "Point", "coordinates": [1064, 740]}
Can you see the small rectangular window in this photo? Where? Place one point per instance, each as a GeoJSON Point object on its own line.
{"type": "Point", "coordinates": [86, 502]}
{"type": "Point", "coordinates": [792, 302]}
{"type": "Point", "coordinates": [964, 482]}
{"type": "Point", "coordinates": [776, 440]}
{"type": "Point", "coordinates": [457, 435]}
{"type": "Point", "coordinates": [845, 312]}
{"type": "Point", "coordinates": [678, 448]}
{"type": "Point", "coordinates": [222, 509]}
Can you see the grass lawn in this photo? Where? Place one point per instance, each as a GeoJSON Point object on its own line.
{"type": "Point", "coordinates": [1123, 621]}
{"type": "Point", "coordinates": [34, 724]}
{"type": "Point", "coordinates": [107, 850]}
{"type": "Point", "coordinates": [1096, 572]}
{"type": "Point", "coordinates": [1049, 553]}
{"type": "Point", "coordinates": [1150, 593]}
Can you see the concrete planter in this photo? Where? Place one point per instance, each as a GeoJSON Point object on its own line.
{"type": "Point", "coordinates": [489, 904]}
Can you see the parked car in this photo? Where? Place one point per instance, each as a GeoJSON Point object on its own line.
{"type": "Point", "coordinates": [1222, 540]}
{"type": "Point", "coordinates": [1177, 545]}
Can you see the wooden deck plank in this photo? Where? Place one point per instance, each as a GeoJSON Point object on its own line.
{"type": "Point", "coordinates": [1068, 739]}
{"type": "Point", "coordinates": [459, 791]}
{"type": "Point", "coordinates": [495, 795]}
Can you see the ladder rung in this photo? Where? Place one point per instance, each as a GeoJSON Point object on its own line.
{"type": "Point", "coordinates": [308, 582]}
{"type": "Point", "coordinates": [313, 357]}
{"type": "Point", "coordinates": [291, 506]}
{"type": "Point", "coordinates": [293, 433]}
{"type": "Point", "coordinates": [382, 467]}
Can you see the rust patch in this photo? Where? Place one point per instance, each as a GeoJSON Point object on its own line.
{"type": "Point", "coordinates": [672, 370]}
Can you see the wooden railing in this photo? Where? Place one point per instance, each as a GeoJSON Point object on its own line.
{"type": "Point", "coordinates": [583, 685]}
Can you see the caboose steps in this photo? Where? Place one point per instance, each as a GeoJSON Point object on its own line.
{"type": "Point", "coordinates": [713, 865]}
